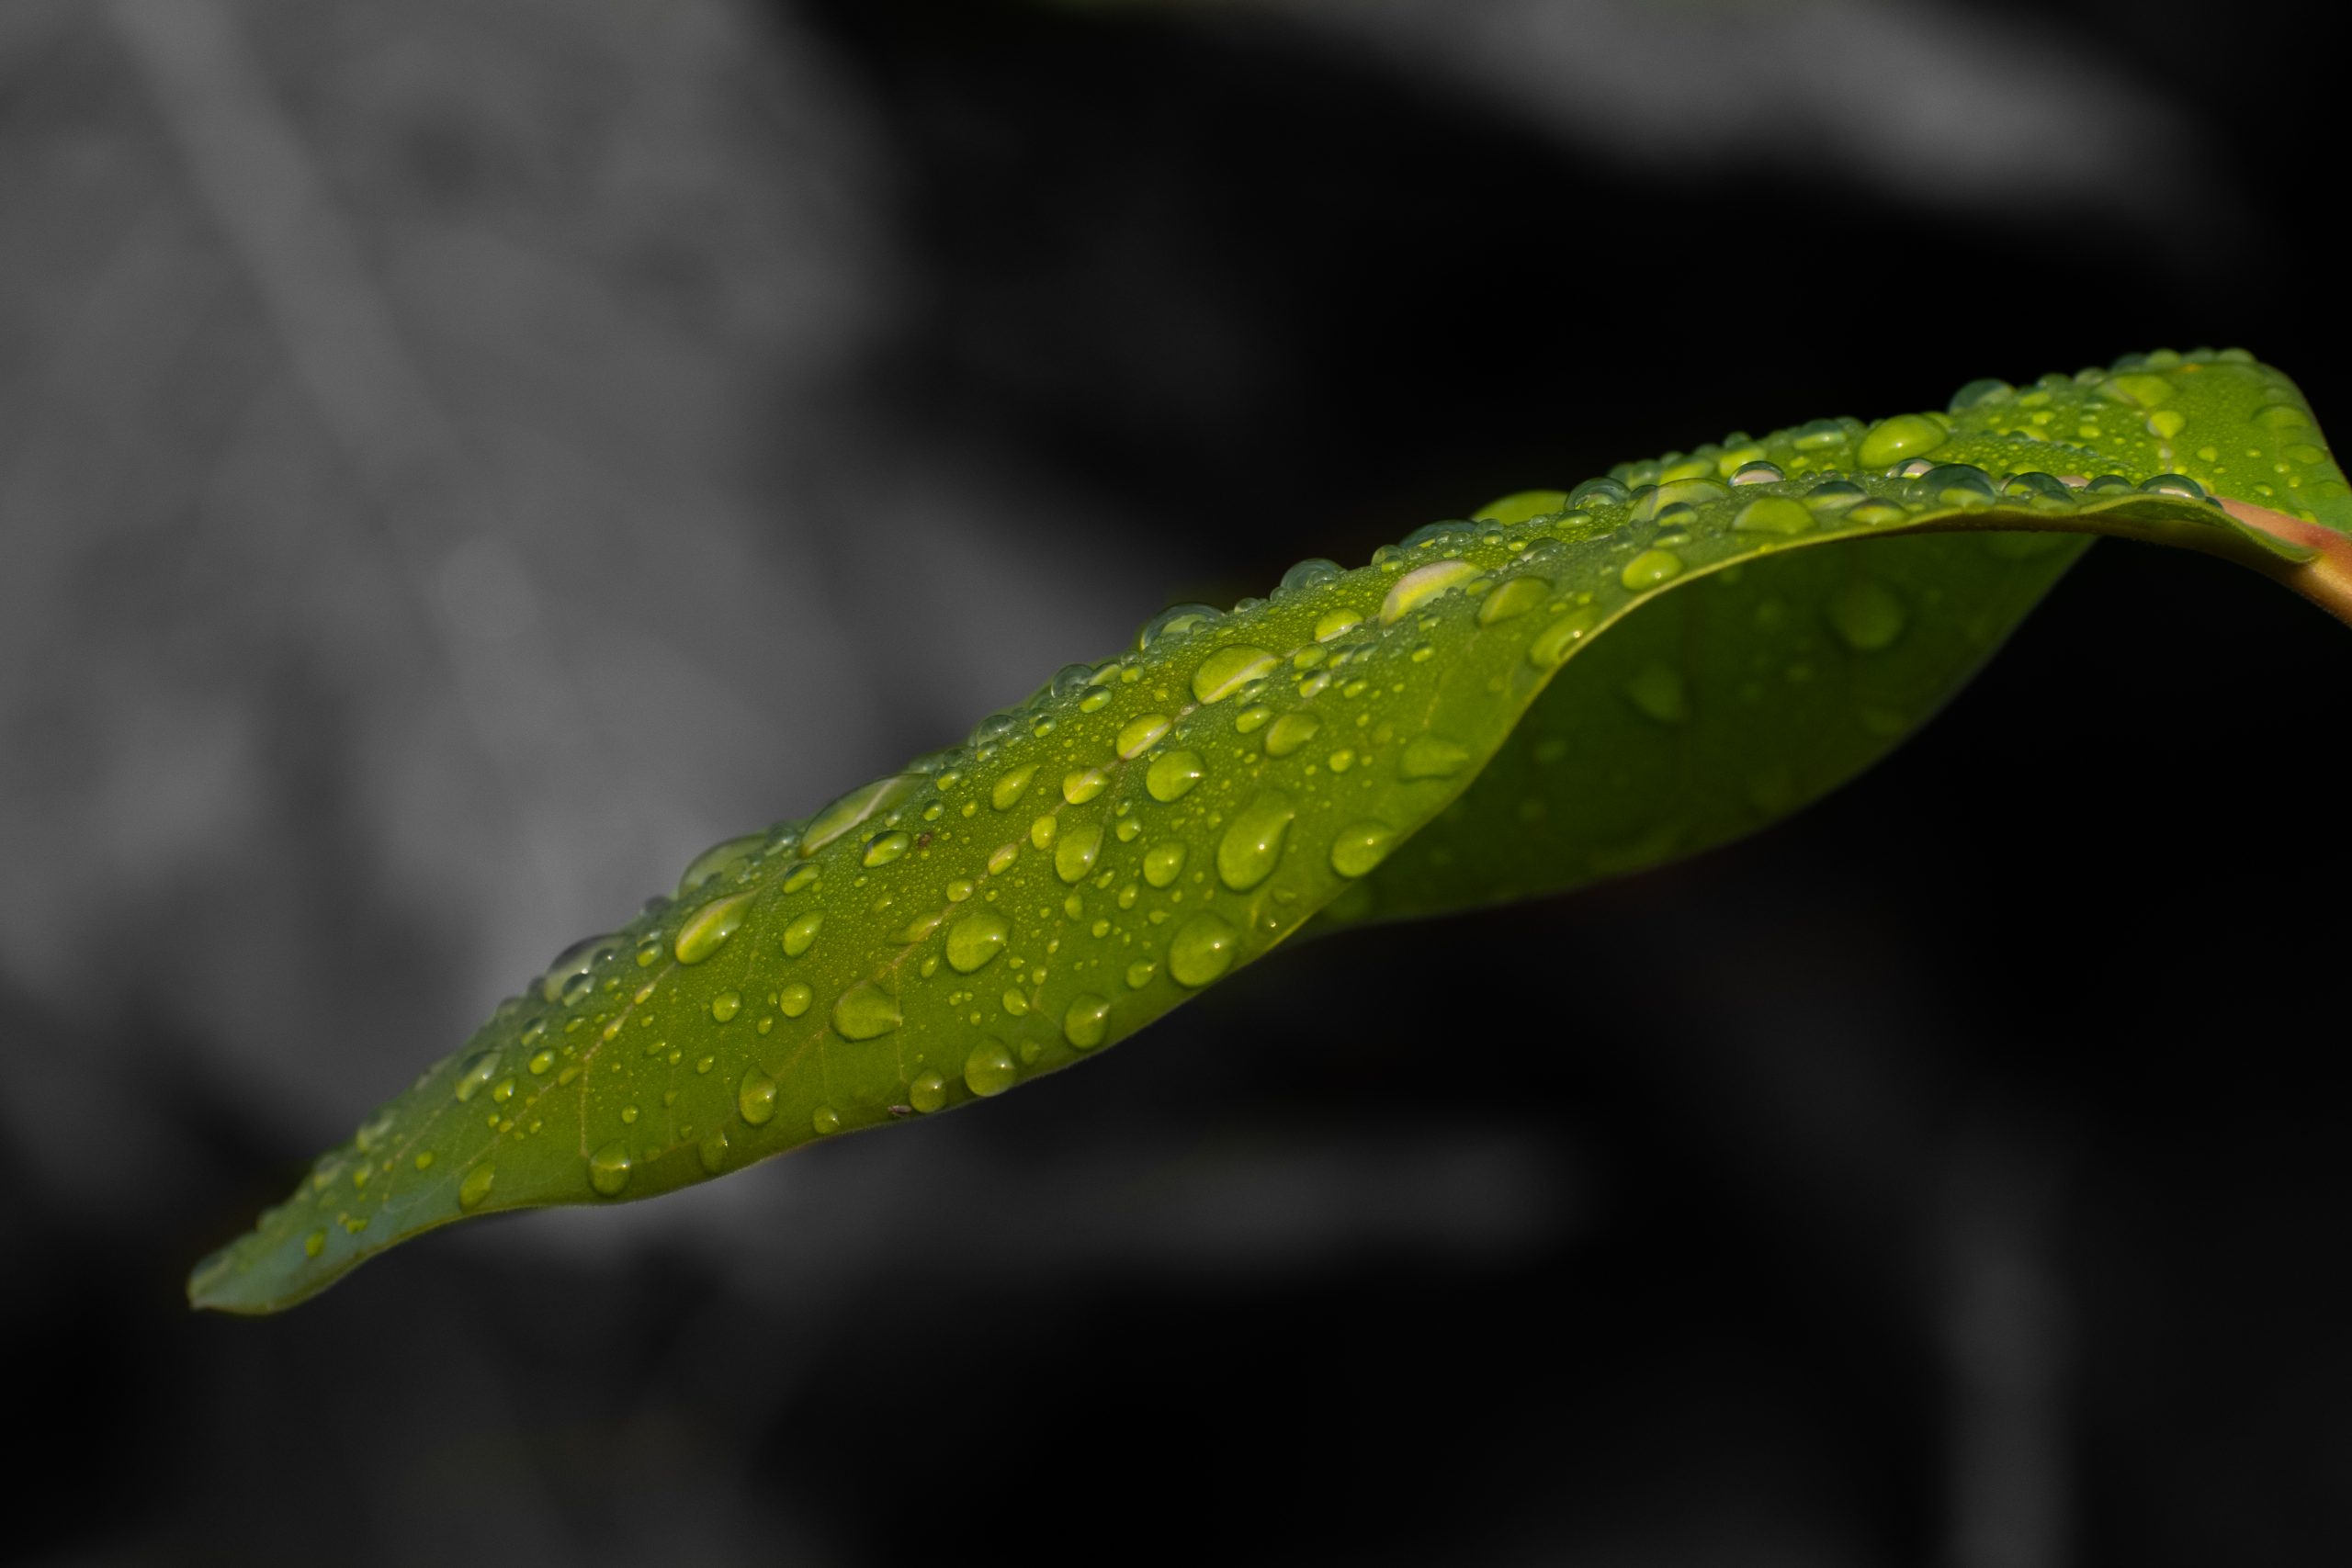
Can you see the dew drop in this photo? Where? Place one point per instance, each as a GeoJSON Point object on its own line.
{"type": "Point", "coordinates": [1649, 569]}
{"type": "Point", "coordinates": [1228, 670]}
{"type": "Point", "coordinates": [1084, 784]}
{"type": "Point", "coordinates": [883, 848]}
{"type": "Point", "coordinates": [1139, 974]}
{"type": "Point", "coordinates": [1009, 789]}
{"type": "Point", "coordinates": [1757, 473]}
{"type": "Point", "coordinates": [1140, 734]}
{"type": "Point", "coordinates": [1773, 514]}
{"type": "Point", "coordinates": [718, 859]}
{"type": "Point", "coordinates": [1867, 616]}
{"type": "Point", "coordinates": [1892, 440]}
{"type": "Point", "coordinates": [1657, 690]}
{"type": "Point", "coordinates": [707, 929]}
{"type": "Point", "coordinates": [976, 939]}
{"type": "Point", "coordinates": [540, 1062]}
{"type": "Point", "coordinates": [1252, 844]}
{"type": "Point", "coordinates": [1421, 585]}
{"type": "Point", "coordinates": [1290, 732]}
{"type": "Point", "coordinates": [794, 1000]}
{"type": "Point", "coordinates": [1512, 600]}
{"type": "Point", "coordinates": [755, 1097]}
{"type": "Point", "coordinates": [1074, 856]}
{"type": "Point", "coordinates": [608, 1169]}
{"type": "Point", "coordinates": [826, 1120]}
{"type": "Point", "coordinates": [989, 1069]}
{"type": "Point", "coordinates": [1361, 846]}
{"type": "Point", "coordinates": [1331, 623]}
{"type": "Point", "coordinates": [1086, 1021]}
{"type": "Point", "coordinates": [1521, 506]}
{"type": "Point", "coordinates": [1432, 756]}
{"type": "Point", "coordinates": [1554, 642]}
{"type": "Point", "coordinates": [866, 1011]}
{"type": "Point", "coordinates": [1202, 949]}
{"type": "Point", "coordinates": [726, 1005]}
{"type": "Point", "coordinates": [801, 934]}
{"type": "Point", "coordinates": [315, 1243]}
{"type": "Point", "coordinates": [1176, 620]}
{"type": "Point", "coordinates": [927, 1093]}
{"type": "Point", "coordinates": [476, 1074]}
{"type": "Point", "coordinates": [1172, 774]}
{"type": "Point", "coordinates": [1162, 863]}
{"type": "Point", "coordinates": [566, 979]}
{"type": "Point", "coordinates": [853, 808]}
{"type": "Point", "coordinates": [476, 1186]}
{"type": "Point", "coordinates": [713, 1150]}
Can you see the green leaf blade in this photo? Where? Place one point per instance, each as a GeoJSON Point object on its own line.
{"type": "Point", "coordinates": [1571, 686]}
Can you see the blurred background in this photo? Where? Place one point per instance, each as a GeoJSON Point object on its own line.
{"type": "Point", "coordinates": [457, 460]}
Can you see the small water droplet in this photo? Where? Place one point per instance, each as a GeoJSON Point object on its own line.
{"type": "Point", "coordinates": [1757, 473]}
{"type": "Point", "coordinates": [1074, 856]}
{"type": "Point", "coordinates": [1252, 844]}
{"type": "Point", "coordinates": [826, 1120]}
{"type": "Point", "coordinates": [1604, 491]}
{"type": "Point", "coordinates": [1084, 1024]}
{"type": "Point", "coordinates": [1959, 484]}
{"type": "Point", "coordinates": [1042, 830]}
{"type": "Point", "coordinates": [1084, 784]}
{"type": "Point", "coordinates": [1139, 974]}
{"type": "Point", "coordinates": [315, 1243]}
{"type": "Point", "coordinates": [608, 1169]}
{"type": "Point", "coordinates": [1421, 585]}
{"type": "Point", "coordinates": [1892, 440]}
{"type": "Point", "coordinates": [567, 978]}
{"type": "Point", "coordinates": [2181, 485]}
{"type": "Point", "coordinates": [1228, 670]}
{"type": "Point", "coordinates": [1173, 773]}
{"type": "Point", "coordinates": [1331, 623]}
{"type": "Point", "coordinates": [801, 934]}
{"type": "Point", "coordinates": [1140, 734]}
{"type": "Point", "coordinates": [540, 1062]}
{"type": "Point", "coordinates": [853, 808]}
{"type": "Point", "coordinates": [1657, 690]}
{"type": "Point", "coordinates": [1985, 391]}
{"type": "Point", "coordinates": [927, 1093]}
{"type": "Point", "coordinates": [866, 1011]}
{"type": "Point", "coordinates": [1202, 949]}
{"type": "Point", "coordinates": [1554, 642]}
{"type": "Point", "coordinates": [1177, 620]}
{"type": "Point", "coordinates": [883, 848]}
{"type": "Point", "coordinates": [794, 1000]}
{"type": "Point", "coordinates": [713, 1149]}
{"type": "Point", "coordinates": [476, 1186]}
{"type": "Point", "coordinates": [1432, 756]}
{"type": "Point", "coordinates": [802, 876]}
{"type": "Point", "coordinates": [1867, 616]}
{"type": "Point", "coordinates": [989, 1069]}
{"type": "Point", "coordinates": [1008, 790]}
{"type": "Point", "coordinates": [1361, 846]}
{"type": "Point", "coordinates": [726, 1005]}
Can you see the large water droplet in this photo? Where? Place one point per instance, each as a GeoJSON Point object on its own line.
{"type": "Point", "coordinates": [608, 1169]}
{"type": "Point", "coordinates": [1421, 585]}
{"type": "Point", "coordinates": [853, 808]}
{"type": "Point", "coordinates": [1176, 620]}
{"type": "Point", "coordinates": [1361, 846]}
{"type": "Point", "coordinates": [1290, 732]}
{"type": "Point", "coordinates": [1008, 790]}
{"type": "Point", "coordinates": [1253, 841]}
{"type": "Point", "coordinates": [801, 934]}
{"type": "Point", "coordinates": [1202, 949]}
{"type": "Point", "coordinates": [794, 1000]}
{"type": "Point", "coordinates": [1890, 441]}
{"type": "Point", "coordinates": [718, 859]}
{"type": "Point", "coordinates": [976, 939]}
{"type": "Point", "coordinates": [1556, 641]}
{"type": "Point", "coordinates": [1162, 863]}
{"type": "Point", "coordinates": [723, 1008]}
{"type": "Point", "coordinates": [989, 1068]}
{"type": "Point", "coordinates": [756, 1096]}
{"type": "Point", "coordinates": [1173, 773]}
{"type": "Point", "coordinates": [476, 1074]}
{"type": "Point", "coordinates": [1084, 784]}
{"type": "Point", "coordinates": [707, 929]}
{"type": "Point", "coordinates": [476, 1186]}
{"type": "Point", "coordinates": [866, 1011]}
{"type": "Point", "coordinates": [1140, 734]}
{"type": "Point", "coordinates": [566, 979]}
{"type": "Point", "coordinates": [1867, 616]}
{"type": "Point", "coordinates": [1512, 600]}
{"type": "Point", "coordinates": [1086, 1021]}
{"type": "Point", "coordinates": [1649, 569]}
{"type": "Point", "coordinates": [1331, 623]}
{"type": "Point", "coordinates": [1773, 514]}
{"type": "Point", "coordinates": [1074, 856]}
{"type": "Point", "coordinates": [1432, 756]}
{"type": "Point", "coordinates": [1228, 670]}
{"type": "Point", "coordinates": [927, 1093]}
{"type": "Point", "coordinates": [883, 848]}
{"type": "Point", "coordinates": [1309, 575]}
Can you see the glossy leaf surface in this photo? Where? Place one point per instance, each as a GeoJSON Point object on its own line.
{"type": "Point", "coordinates": [1568, 686]}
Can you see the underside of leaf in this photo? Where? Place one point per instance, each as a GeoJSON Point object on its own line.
{"type": "Point", "coordinates": [1568, 686]}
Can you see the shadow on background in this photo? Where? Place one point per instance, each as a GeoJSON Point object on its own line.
{"type": "Point", "coordinates": [456, 462]}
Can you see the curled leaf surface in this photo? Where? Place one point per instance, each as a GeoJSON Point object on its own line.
{"type": "Point", "coordinates": [1569, 685]}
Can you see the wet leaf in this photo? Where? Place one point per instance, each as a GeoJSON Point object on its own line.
{"type": "Point", "coordinates": [1568, 686]}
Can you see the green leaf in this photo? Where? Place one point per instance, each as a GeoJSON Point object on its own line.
{"type": "Point", "coordinates": [1568, 686]}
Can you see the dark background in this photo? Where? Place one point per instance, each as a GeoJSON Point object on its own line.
{"type": "Point", "coordinates": [458, 458]}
